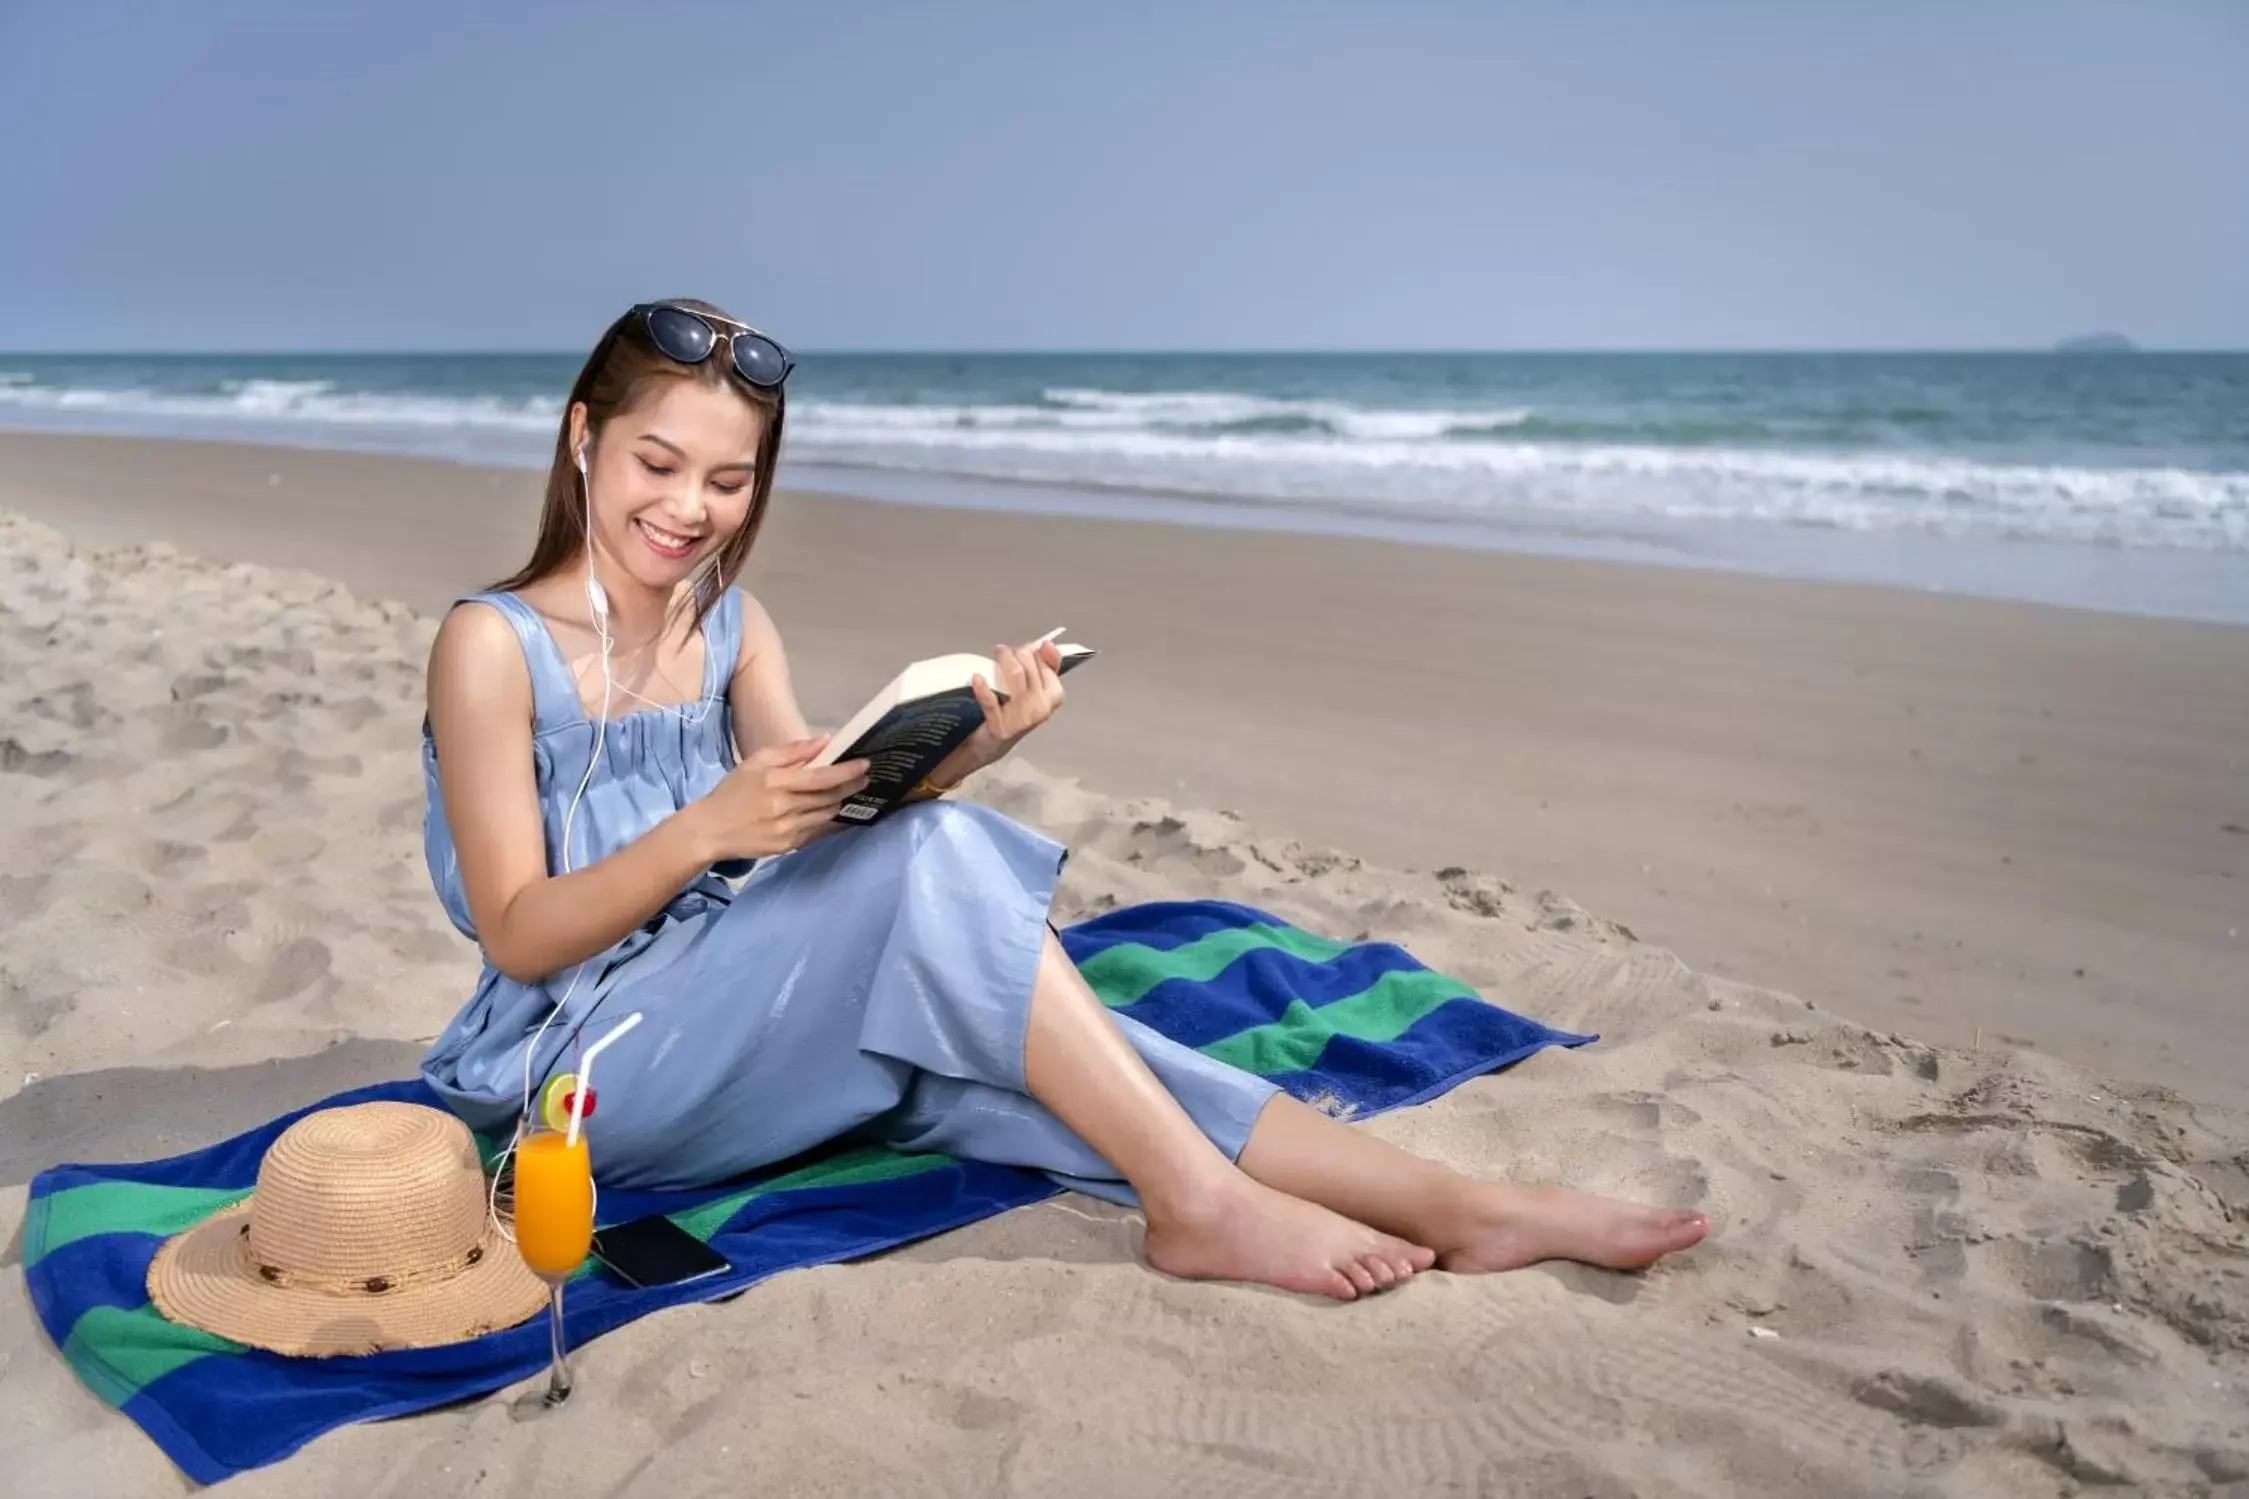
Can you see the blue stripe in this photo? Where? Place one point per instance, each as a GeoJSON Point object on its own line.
{"type": "Point", "coordinates": [180, 1445]}
{"type": "Point", "coordinates": [105, 1270]}
{"type": "Point", "coordinates": [295, 1399]}
{"type": "Point", "coordinates": [1257, 987]}
{"type": "Point", "coordinates": [1456, 1041]}
{"type": "Point", "coordinates": [1159, 924]}
{"type": "Point", "coordinates": [224, 1413]}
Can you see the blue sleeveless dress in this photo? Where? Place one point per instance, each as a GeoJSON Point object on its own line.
{"type": "Point", "coordinates": [875, 984]}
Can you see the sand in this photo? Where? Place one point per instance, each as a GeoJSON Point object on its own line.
{"type": "Point", "coordinates": [1945, 815]}
{"type": "Point", "coordinates": [1934, 1269]}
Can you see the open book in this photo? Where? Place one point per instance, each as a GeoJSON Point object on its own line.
{"type": "Point", "coordinates": [906, 730]}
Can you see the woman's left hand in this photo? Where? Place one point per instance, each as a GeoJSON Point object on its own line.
{"type": "Point", "coordinates": [1031, 678]}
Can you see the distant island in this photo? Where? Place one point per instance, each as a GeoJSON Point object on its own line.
{"type": "Point", "coordinates": [2097, 343]}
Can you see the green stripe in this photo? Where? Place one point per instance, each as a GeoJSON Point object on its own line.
{"type": "Point", "coordinates": [1121, 975]}
{"type": "Point", "coordinates": [855, 1167]}
{"type": "Point", "coordinates": [861, 1164]}
{"type": "Point", "coordinates": [137, 1346]}
{"type": "Point", "coordinates": [137, 1207]}
{"type": "Point", "coordinates": [1380, 1012]}
{"type": "Point", "coordinates": [112, 1207]}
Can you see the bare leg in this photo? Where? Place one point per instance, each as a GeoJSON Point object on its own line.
{"type": "Point", "coordinates": [1206, 1219]}
{"type": "Point", "coordinates": [1472, 1225]}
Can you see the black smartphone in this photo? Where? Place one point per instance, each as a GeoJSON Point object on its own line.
{"type": "Point", "coordinates": [655, 1252]}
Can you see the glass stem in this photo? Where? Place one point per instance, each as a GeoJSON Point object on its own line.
{"type": "Point", "coordinates": [558, 1383]}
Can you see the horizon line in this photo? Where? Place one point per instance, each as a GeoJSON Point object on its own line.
{"type": "Point", "coordinates": [934, 351]}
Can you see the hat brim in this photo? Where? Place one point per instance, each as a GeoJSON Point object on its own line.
{"type": "Point", "coordinates": [204, 1279]}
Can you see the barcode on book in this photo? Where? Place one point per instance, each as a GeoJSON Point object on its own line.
{"type": "Point", "coordinates": [858, 811]}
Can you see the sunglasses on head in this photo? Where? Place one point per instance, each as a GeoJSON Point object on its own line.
{"type": "Point", "coordinates": [690, 337]}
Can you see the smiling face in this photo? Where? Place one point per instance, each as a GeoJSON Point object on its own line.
{"type": "Point", "coordinates": [680, 461]}
{"type": "Point", "coordinates": [671, 478]}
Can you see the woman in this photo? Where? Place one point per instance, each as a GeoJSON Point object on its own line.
{"type": "Point", "coordinates": [898, 981]}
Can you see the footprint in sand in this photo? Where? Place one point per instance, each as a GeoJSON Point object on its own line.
{"type": "Point", "coordinates": [1640, 1111]}
{"type": "Point", "coordinates": [72, 706]}
{"type": "Point", "coordinates": [286, 846]}
{"type": "Point", "coordinates": [1940, 1235]}
{"type": "Point", "coordinates": [241, 830]}
{"type": "Point", "coordinates": [299, 964]}
{"type": "Point", "coordinates": [192, 686]}
{"type": "Point", "coordinates": [287, 700]}
{"type": "Point", "coordinates": [202, 813]}
{"type": "Point", "coordinates": [1925, 1400]}
{"type": "Point", "coordinates": [298, 766]}
{"type": "Point", "coordinates": [1674, 1181]}
{"type": "Point", "coordinates": [167, 857]}
{"type": "Point", "coordinates": [1558, 913]}
{"type": "Point", "coordinates": [16, 759]}
{"type": "Point", "coordinates": [295, 661]}
{"type": "Point", "coordinates": [2060, 1270]}
{"type": "Point", "coordinates": [1848, 1050]}
{"type": "Point", "coordinates": [1477, 894]}
{"type": "Point", "coordinates": [1166, 841]}
{"type": "Point", "coordinates": [98, 890]}
{"type": "Point", "coordinates": [22, 896]}
{"type": "Point", "coordinates": [186, 735]}
{"type": "Point", "coordinates": [33, 1009]}
{"type": "Point", "coordinates": [219, 904]}
{"type": "Point", "coordinates": [422, 943]}
{"type": "Point", "coordinates": [402, 814]}
{"type": "Point", "coordinates": [356, 713]}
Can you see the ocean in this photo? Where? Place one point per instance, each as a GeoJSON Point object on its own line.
{"type": "Point", "coordinates": [2114, 481]}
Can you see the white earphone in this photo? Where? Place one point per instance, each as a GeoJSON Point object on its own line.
{"type": "Point", "coordinates": [597, 604]}
{"type": "Point", "coordinates": [597, 607]}
{"type": "Point", "coordinates": [597, 597]}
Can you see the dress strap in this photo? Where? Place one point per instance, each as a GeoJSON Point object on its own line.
{"type": "Point", "coordinates": [554, 693]}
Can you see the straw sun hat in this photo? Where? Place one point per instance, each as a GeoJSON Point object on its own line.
{"type": "Point", "coordinates": [367, 1231]}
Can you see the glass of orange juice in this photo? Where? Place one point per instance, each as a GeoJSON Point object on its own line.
{"type": "Point", "coordinates": [554, 1225]}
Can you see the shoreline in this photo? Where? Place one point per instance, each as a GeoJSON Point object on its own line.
{"type": "Point", "coordinates": [2191, 587]}
{"type": "Point", "coordinates": [1901, 806]}
{"type": "Point", "coordinates": [2149, 582]}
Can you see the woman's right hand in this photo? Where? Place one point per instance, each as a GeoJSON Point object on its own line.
{"type": "Point", "coordinates": [775, 801]}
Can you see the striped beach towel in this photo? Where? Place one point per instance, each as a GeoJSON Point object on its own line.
{"type": "Point", "coordinates": [1357, 1029]}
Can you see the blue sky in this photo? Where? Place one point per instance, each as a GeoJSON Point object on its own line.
{"type": "Point", "coordinates": [250, 174]}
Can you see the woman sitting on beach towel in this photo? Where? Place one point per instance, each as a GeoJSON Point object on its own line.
{"type": "Point", "coordinates": [898, 981]}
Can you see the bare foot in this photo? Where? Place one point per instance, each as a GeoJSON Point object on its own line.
{"type": "Point", "coordinates": [1246, 1231]}
{"type": "Point", "coordinates": [1507, 1227]}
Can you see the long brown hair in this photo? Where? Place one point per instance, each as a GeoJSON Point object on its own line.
{"type": "Point", "coordinates": [618, 373]}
